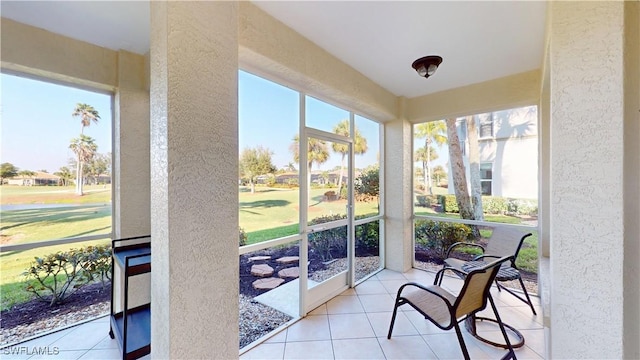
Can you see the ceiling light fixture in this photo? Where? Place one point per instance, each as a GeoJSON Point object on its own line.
{"type": "Point", "coordinates": [427, 66]}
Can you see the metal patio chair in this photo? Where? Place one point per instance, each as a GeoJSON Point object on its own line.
{"type": "Point", "coordinates": [446, 310]}
{"type": "Point", "coordinates": [504, 241]}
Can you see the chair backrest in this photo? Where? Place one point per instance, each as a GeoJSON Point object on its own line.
{"type": "Point", "coordinates": [505, 241]}
{"type": "Point", "coordinates": [475, 291]}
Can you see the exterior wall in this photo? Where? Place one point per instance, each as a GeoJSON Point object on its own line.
{"type": "Point", "coordinates": [632, 181]}
{"type": "Point", "coordinates": [41, 53]}
{"type": "Point", "coordinates": [194, 172]}
{"type": "Point", "coordinates": [587, 151]}
{"type": "Point", "coordinates": [131, 183]}
{"type": "Point", "coordinates": [513, 153]}
{"type": "Point", "coordinates": [398, 229]}
{"type": "Point", "coordinates": [504, 93]}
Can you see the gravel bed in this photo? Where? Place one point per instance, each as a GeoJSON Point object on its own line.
{"type": "Point", "coordinates": [364, 266]}
{"type": "Point", "coordinates": [257, 320]}
{"type": "Point", "coordinates": [22, 332]}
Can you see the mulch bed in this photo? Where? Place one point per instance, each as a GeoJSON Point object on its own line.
{"type": "Point", "coordinates": [36, 310]}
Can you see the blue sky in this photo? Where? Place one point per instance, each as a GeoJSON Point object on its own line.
{"type": "Point", "coordinates": [269, 116]}
{"type": "Point", "coordinates": [37, 126]}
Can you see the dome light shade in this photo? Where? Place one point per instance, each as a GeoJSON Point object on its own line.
{"type": "Point", "coordinates": [427, 66]}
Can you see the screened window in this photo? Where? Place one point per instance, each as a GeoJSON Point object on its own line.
{"type": "Point", "coordinates": [486, 176]}
{"type": "Point", "coordinates": [485, 125]}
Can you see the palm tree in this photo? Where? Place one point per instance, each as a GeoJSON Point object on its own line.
{"type": "Point", "coordinates": [65, 175]}
{"type": "Point", "coordinates": [87, 114]}
{"type": "Point", "coordinates": [459, 175]}
{"type": "Point", "coordinates": [425, 157]}
{"type": "Point", "coordinates": [85, 148]}
{"type": "Point", "coordinates": [434, 133]}
{"type": "Point", "coordinates": [317, 152]}
{"type": "Point", "coordinates": [474, 167]}
{"type": "Point", "coordinates": [359, 146]}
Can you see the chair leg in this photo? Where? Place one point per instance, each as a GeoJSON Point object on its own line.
{"type": "Point", "coordinates": [465, 352]}
{"type": "Point", "coordinates": [498, 286]}
{"type": "Point", "coordinates": [526, 299]}
{"type": "Point", "coordinates": [393, 319]}
{"type": "Point", "coordinates": [526, 294]}
{"type": "Point", "coordinates": [510, 352]}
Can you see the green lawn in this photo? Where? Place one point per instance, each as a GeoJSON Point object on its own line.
{"type": "Point", "coordinates": [276, 210]}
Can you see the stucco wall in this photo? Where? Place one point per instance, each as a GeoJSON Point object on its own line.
{"type": "Point", "coordinates": [194, 171]}
{"type": "Point", "coordinates": [39, 52]}
{"type": "Point", "coordinates": [587, 153]}
{"type": "Point", "coordinates": [398, 168]}
{"type": "Point", "coordinates": [632, 181]}
{"type": "Point", "coordinates": [505, 93]}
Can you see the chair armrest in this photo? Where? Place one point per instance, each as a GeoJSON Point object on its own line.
{"type": "Point", "coordinates": [482, 257]}
{"type": "Point", "coordinates": [462, 244]}
{"type": "Point", "coordinates": [429, 290]}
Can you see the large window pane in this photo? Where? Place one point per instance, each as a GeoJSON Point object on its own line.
{"type": "Point", "coordinates": [367, 165]}
{"type": "Point", "coordinates": [55, 152]}
{"type": "Point", "coordinates": [367, 249]}
{"type": "Point", "coordinates": [505, 165]}
{"type": "Point", "coordinates": [322, 116]}
{"type": "Point", "coordinates": [268, 180]}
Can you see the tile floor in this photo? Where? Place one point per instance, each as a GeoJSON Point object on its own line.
{"type": "Point", "coordinates": [354, 325]}
{"type": "Point", "coordinates": [350, 326]}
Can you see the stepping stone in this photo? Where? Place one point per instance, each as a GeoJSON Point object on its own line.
{"type": "Point", "coordinates": [288, 259]}
{"type": "Point", "coordinates": [267, 284]}
{"type": "Point", "coordinates": [262, 270]}
{"type": "Point", "coordinates": [292, 272]}
{"type": "Point", "coordinates": [259, 258]}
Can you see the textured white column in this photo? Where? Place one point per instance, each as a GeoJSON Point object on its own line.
{"type": "Point", "coordinates": [399, 197]}
{"type": "Point", "coordinates": [131, 180]}
{"type": "Point", "coordinates": [587, 151]}
{"type": "Point", "coordinates": [632, 181]}
{"type": "Point", "coordinates": [194, 171]}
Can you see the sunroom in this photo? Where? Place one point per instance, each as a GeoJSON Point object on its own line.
{"type": "Point", "coordinates": [178, 136]}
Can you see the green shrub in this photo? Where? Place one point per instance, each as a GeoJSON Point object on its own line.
{"type": "Point", "coordinates": [449, 203]}
{"type": "Point", "coordinates": [427, 200]}
{"type": "Point", "coordinates": [439, 235]}
{"type": "Point", "coordinates": [98, 262]}
{"type": "Point", "coordinates": [242, 238]}
{"type": "Point", "coordinates": [57, 276]}
{"type": "Point", "coordinates": [325, 241]}
{"type": "Point", "coordinates": [522, 207]}
{"type": "Point", "coordinates": [367, 185]}
{"type": "Point", "coordinates": [494, 205]}
{"type": "Point", "coordinates": [368, 235]}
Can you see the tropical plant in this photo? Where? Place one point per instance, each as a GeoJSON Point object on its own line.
{"type": "Point", "coordinates": [359, 145]}
{"type": "Point", "coordinates": [255, 162]}
{"type": "Point", "coordinates": [317, 153]}
{"type": "Point", "coordinates": [87, 115]}
{"type": "Point", "coordinates": [367, 184]}
{"type": "Point", "coordinates": [98, 165]}
{"type": "Point", "coordinates": [439, 235]}
{"type": "Point", "coordinates": [7, 170]}
{"type": "Point", "coordinates": [433, 133]}
{"type": "Point", "coordinates": [474, 167]}
{"type": "Point", "coordinates": [85, 149]}
{"type": "Point", "coordinates": [458, 173]}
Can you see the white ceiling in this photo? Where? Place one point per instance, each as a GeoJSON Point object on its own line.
{"type": "Point", "coordinates": [478, 41]}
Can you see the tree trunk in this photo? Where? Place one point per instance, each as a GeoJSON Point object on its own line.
{"type": "Point", "coordinates": [458, 171]}
{"type": "Point", "coordinates": [427, 179]}
{"type": "Point", "coordinates": [474, 168]}
{"type": "Point", "coordinates": [253, 186]}
{"type": "Point", "coordinates": [340, 179]}
{"type": "Point", "coordinates": [81, 181]}
{"type": "Point", "coordinates": [78, 177]}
